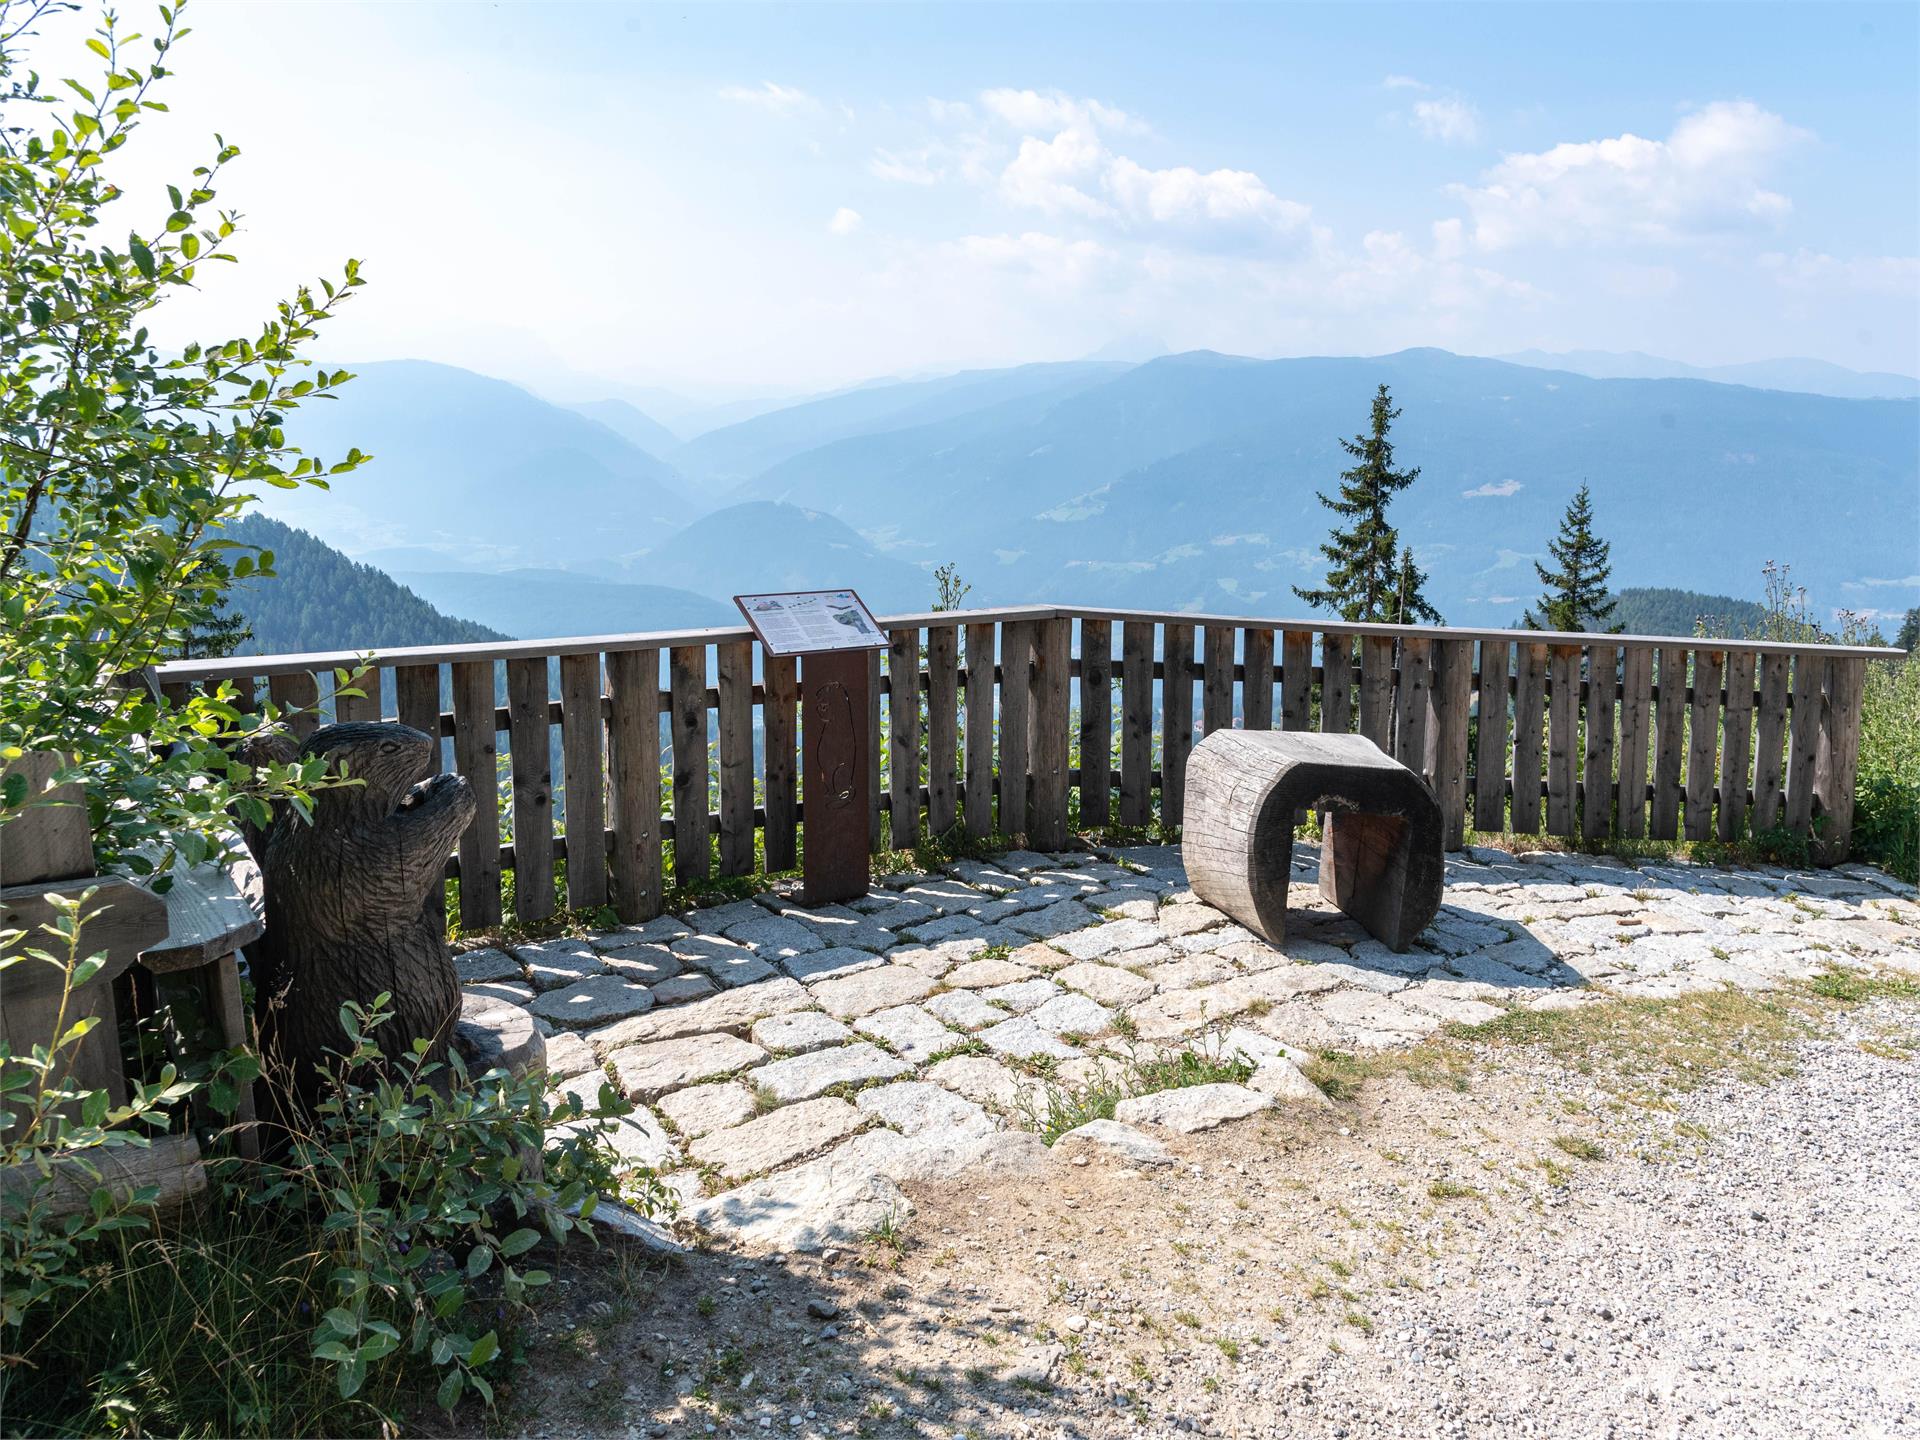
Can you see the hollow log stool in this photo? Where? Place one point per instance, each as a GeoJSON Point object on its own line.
{"type": "Point", "coordinates": [1380, 853]}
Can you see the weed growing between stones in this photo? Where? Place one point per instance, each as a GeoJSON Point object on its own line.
{"type": "Point", "coordinates": [1061, 1108]}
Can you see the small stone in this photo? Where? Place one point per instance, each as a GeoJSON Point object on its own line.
{"type": "Point", "coordinates": [1282, 1080]}
{"type": "Point", "coordinates": [1076, 1324]}
{"type": "Point", "coordinates": [821, 1309]}
{"type": "Point", "coordinates": [1113, 1141]}
{"type": "Point", "coordinates": [1191, 1109]}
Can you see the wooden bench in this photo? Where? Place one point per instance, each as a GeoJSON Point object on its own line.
{"type": "Point", "coordinates": [1380, 852]}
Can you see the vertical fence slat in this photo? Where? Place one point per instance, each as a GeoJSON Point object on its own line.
{"type": "Point", "coordinates": [476, 756]}
{"type": "Point", "coordinates": [1336, 684]}
{"type": "Point", "coordinates": [1296, 680]}
{"type": "Point", "coordinates": [1636, 716]}
{"type": "Point", "coordinates": [582, 754]}
{"type": "Point", "coordinates": [874, 834]}
{"type": "Point", "coordinates": [1136, 732]}
{"type": "Point", "coordinates": [1256, 686]}
{"type": "Point", "coordinates": [1596, 801]}
{"type": "Point", "coordinates": [1052, 662]}
{"type": "Point", "coordinates": [1670, 709]}
{"type": "Point", "coordinates": [1216, 681]}
{"type": "Point", "coordinates": [1803, 755]}
{"type": "Point", "coordinates": [1563, 736]}
{"type": "Point", "coordinates": [1176, 708]}
{"type": "Point", "coordinates": [1490, 742]}
{"type": "Point", "coordinates": [364, 706]}
{"type": "Point", "coordinates": [781, 732]}
{"type": "Point", "coordinates": [1096, 723]}
{"type": "Point", "coordinates": [1452, 699]}
{"type": "Point", "coordinates": [1016, 700]}
{"type": "Point", "coordinates": [1529, 734]}
{"type": "Point", "coordinates": [1376, 691]}
{"type": "Point", "coordinates": [416, 696]}
{"type": "Point", "coordinates": [1413, 699]}
{"type": "Point", "coordinates": [297, 695]}
{"type": "Point", "coordinates": [633, 768]}
{"type": "Point", "coordinates": [735, 663]}
{"type": "Point", "coordinates": [1847, 685]}
{"type": "Point", "coordinates": [687, 670]}
{"type": "Point", "coordinates": [529, 702]}
{"type": "Point", "coordinates": [1736, 752]}
{"type": "Point", "coordinates": [943, 735]}
{"type": "Point", "coordinates": [980, 725]}
{"type": "Point", "coordinates": [1769, 742]}
{"type": "Point", "coordinates": [903, 736]}
{"type": "Point", "coordinates": [1703, 742]}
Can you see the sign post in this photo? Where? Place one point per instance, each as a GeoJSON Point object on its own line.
{"type": "Point", "coordinates": [832, 632]}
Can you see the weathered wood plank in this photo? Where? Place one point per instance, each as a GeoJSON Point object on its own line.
{"type": "Point", "coordinates": [1563, 736]}
{"type": "Point", "coordinates": [633, 769]}
{"type": "Point", "coordinates": [1803, 750]}
{"type": "Point", "coordinates": [1053, 660]}
{"type": "Point", "coordinates": [1529, 734]}
{"type": "Point", "coordinates": [1376, 691]}
{"type": "Point", "coordinates": [687, 673]}
{"type": "Point", "coordinates": [1096, 723]}
{"type": "Point", "coordinates": [779, 713]}
{"type": "Point", "coordinates": [1670, 711]}
{"type": "Point", "coordinates": [529, 706]}
{"type": "Point", "coordinates": [1770, 741]}
{"type": "Point", "coordinates": [1636, 731]}
{"type": "Point", "coordinates": [1336, 684]}
{"type": "Point", "coordinates": [1256, 684]}
{"type": "Point", "coordinates": [875, 836]}
{"type": "Point", "coordinates": [1736, 742]}
{"type": "Point", "coordinates": [735, 664]}
{"type": "Point", "coordinates": [1413, 704]}
{"type": "Point", "coordinates": [50, 838]}
{"type": "Point", "coordinates": [1016, 710]}
{"type": "Point", "coordinates": [980, 724]}
{"type": "Point", "coordinates": [903, 736]}
{"type": "Point", "coordinates": [476, 756]}
{"type": "Point", "coordinates": [1136, 732]}
{"type": "Point", "coordinates": [1703, 741]}
{"type": "Point", "coordinates": [297, 695]}
{"type": "Point", "coordinates": [1452, 699]}
{"type": "Point", "coordinates": [583, 771]}
{"type": "Point", "coordinates": [943, 733]}
{"type": "Point", "coordinates": [1847, 678]}
{"type": "Point", "coordinates": [1216, 681]}
{"type": "Point", "coordinates": [1296, 680]}
{"type": "Point", "coordinates": [1176, 709]}
{"type": "Point", "coordinates": [1490, 739]}
{"type": "Point", "coordinates": [1596, 785]}
{"type": "Point", "coordinates": [416, 694]}
{"type": "Point", "coordinates": [359, 698]}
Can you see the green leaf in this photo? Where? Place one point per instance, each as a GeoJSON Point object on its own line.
{"type": "Point", "coordinates": [519, 1242]}
{"type": "Point", "coordinates": [484, 1349]}
{"type": "Point", "coordinates": [450, 1389]}
{"type": "Point", "coordinates": [478, 1259]}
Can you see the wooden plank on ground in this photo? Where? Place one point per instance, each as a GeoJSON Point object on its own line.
{"type": "Point", "coordinates": [1016, 701]}
{"type": "Point", "coordinates": [1256, 684]}
{"type": "Point", "coordinates": [734, 661]}
{"type": "Point", "coordinates": [687, 671]}
{"type": "Point", "coordinates": [1803, 749]}
{"type": "Point", "coordinates": [1136, 722]}
{"type": "Point", "coordinates": [903, 735]}
{"type": "Point", "coordinates": [476, 756]}
{"type": "Point", "coordinates": [980, 726]}
{"type": "Point", "coordinates": [1376, 690]}
{"type": "Point", "coordinates": [1847, 678]}
{"type": "Point", "coordinates": [1703, 741]}
{"type": "Point", "coordinates": [1669, 741]}
{"type": "Point", "coordinates": [943, 728]}
{"type": "Point", "coordinates": [1413, 704]}
{"type": "Point", "coordinates": [1452, 699]}
{"type": "Point", "coordinates": [529, 707]}
{"type": "Point", "coordinates": [583, 770]}
{"type": "Point", "coordinates": [1216, 680]}
{"type": "Point", "coordinates": [1529, 734]}
{"type": "Point", "coordinates": [633, 770]}
{"type": "Point", "coordinates": [1052, 697]}
{"type": "Point", "coordinates": [1336, 684]}
{"type": "Point", "coordinates": [1490, 739]}
{"type": "Point", "coordinates": [1770, 742]}
{"type": "Point", "coordinates": [1176, 708]}
{"type": "Point", "coordinates": [297, 695]}
{"type": "Point", "coordinates": [1096, 723]}
{"type": "Point", "coordinates": [1296, 680]}
{"type": "Point", "coordinates": [1636, 732]}
{"type": "Point", "coordinates": [779, 718]}
{"type": "Point", "coordinates": [1563, 736]}
{"type": "Point", "coordinates": [1736, 745]}
{"type": "Point", "coordinates": [1596, 786]}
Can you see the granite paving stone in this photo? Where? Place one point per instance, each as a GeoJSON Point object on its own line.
{"type": "Point", "coordinates": [655, 1067]}
{"type": "Point", "coordinates": [594, 1001]}
{"type": "Point", "coordinates": [850, 996]}
{"type": "Point", "coordinates": [788, 1134]}
{"type": "Point", "coordinates": [701, 1109]}
{"type": "Point", "coordinates": [910, 1031]}
{"type": "Point", "coordinates": [798, 1032]}
{"type": "Point", "coordinates": [801, 1077]}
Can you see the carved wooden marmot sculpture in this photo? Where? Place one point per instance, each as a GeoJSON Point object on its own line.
{"type": "Point", "coordinates": [353, 899]}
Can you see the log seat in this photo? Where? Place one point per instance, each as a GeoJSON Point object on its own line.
{"type": "Point", "coordinates": [1380, 851]}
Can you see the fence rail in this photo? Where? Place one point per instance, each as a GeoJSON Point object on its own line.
{"type": "Point", "coordinates": [1591, 735]}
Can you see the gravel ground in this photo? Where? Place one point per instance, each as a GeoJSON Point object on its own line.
{"type": "Point", "coordinates": [1731, 1259]}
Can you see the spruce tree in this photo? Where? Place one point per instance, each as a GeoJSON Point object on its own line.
{"type": "Point", "coordinates": [1408, 603]}
{"type": "Point", "coordinates": [1576, 597]}
{"type": "Point", "coordinates": [1364, 559]}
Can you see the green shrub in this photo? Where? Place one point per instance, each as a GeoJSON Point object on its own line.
{"type": "Point", "coordinates": [1886, 813]}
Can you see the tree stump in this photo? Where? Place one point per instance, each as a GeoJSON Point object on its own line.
{"type": "Point", "coordinates": [1380, 852]}
{"type": "Point", "coordinates": [353, 900]}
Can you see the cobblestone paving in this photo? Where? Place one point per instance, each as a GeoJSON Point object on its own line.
{"type": "Point", "coordinates": [791, 1066]}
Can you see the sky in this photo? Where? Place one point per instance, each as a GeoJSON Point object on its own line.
{"type": "Point", "coordinates": [729, 200]}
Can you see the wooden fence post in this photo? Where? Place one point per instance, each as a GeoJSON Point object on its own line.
{"type": "Point", "coordinates": [476, 756]}
{"type": "Point", "coordinates": [1136, 733]}
{"type": "Point", "coordinates": [1636, 729]}
{"type": "Point", "coordinates": [943, 660]}
{"type": "Point", "coordinates": [1452, 697]}
{"type": "Point", "coordinates": [1490, 747]}
{"type": "Point", "coordinates": [1596, 807]}
{"type": "Point", "coordinates": [633, 762]}
{"type": "Point", "coordinates": [1053, 658]}
{"type": "Point", "coordinates": [1176, 708]}
{"type": "Point", "coordinates": [1096, 723]}
{"type": "Point", "coordinates": [687, 669]}
{"type": "Point", "coordinates": [903, 735]}
{"type": "Point", "coordinates": [582, 752]}
{"type": "Point", "coordinates": [980, 727]}
{"type": "Point", "coordinates": [780, 726]}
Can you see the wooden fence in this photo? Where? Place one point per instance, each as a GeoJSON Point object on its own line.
{"type": "Point", "coordinates": [1035, 720]}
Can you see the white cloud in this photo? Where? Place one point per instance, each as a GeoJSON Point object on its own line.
{"type": "Point", "coordinates": [950, 112]}
{"type": "Point", "coordinates": [1704, 178]}
{"type": "Point", "coordinates": [1452, 121]}
{"type": "Point", "coordinates": [1184, 196]}
{"type": "Point", "coordinates": [1031, 110]}
{"type": "Point", "coordinates": [1049, 175]}
{"type": "Point", "coordinates": [1870, 274]}
{"type": "Point", "coordinates": [844, 221]}
{"type": "Point", "coordinates": [1500, 491]}
{"type": "Point", "coordinates": [912, 167]}
{"type": "Point", "coordinates": [779, 99]}
{"type": "Point", "coordinates": [1402, 82]}
{"type": "Point", "coordinates": [1905, 582]}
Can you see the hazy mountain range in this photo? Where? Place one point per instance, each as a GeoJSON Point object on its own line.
{"type": "Point", "coordinates": [1813, 377]}
{"type": "Point", "coordinates": [1185, 482]}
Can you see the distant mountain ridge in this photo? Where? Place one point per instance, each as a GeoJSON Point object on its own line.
{"type": "Point", "coordinates": [1808, 377]}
